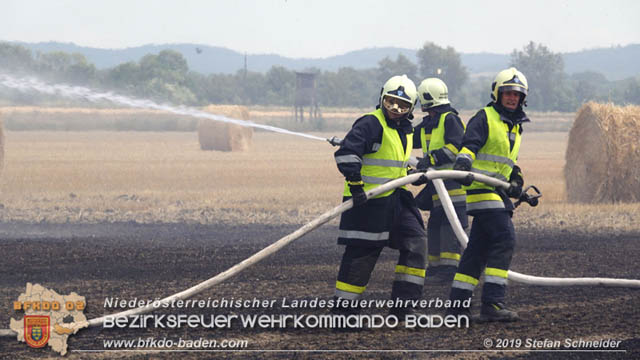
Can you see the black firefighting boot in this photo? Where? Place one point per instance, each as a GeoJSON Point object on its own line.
{"type": "Point", "coordinates": [461, 303]}
{"type": "Point", "coordinates": [496, 312]}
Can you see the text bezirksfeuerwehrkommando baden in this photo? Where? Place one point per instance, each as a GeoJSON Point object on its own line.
{"type": "Point", "coordinates": [281, 321]}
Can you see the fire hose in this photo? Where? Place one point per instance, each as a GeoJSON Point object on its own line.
{"type": "Point", "coordinates": [436, 177]}
{"type": "Point", "coordinates": [512, 275]}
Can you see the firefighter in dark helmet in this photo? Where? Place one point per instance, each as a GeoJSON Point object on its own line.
{"type": "Point", "coordinates": [490, 146]}
{"type": "Point", "coordinates": [376, 150]}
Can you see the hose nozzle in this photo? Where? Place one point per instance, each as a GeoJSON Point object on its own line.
{"type": "Point", "coordinates": [531, 199]}
{"type": "Point", "coordinates": [335, 141]}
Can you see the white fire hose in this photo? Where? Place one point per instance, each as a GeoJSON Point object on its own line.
{"type": "Point", "coordinates": [436, 176]}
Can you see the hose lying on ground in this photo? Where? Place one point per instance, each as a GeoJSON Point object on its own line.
{"type": "Point", "coordinates": [512, 275]}
{"type": "Point", "coordinates": [273, 248]}
{"type": "Point", "coordinates": [255, 258]}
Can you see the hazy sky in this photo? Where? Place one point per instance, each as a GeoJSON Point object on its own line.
{"type": "Point", "coordinates": [310, 28]}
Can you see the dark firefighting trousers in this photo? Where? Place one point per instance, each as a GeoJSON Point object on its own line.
{"type": "Point", "coordinates": [442, 244]}
{"type": "Point", "coordinates": [407, 235]}
{"type": "Point", "coordinates": [490, 248]}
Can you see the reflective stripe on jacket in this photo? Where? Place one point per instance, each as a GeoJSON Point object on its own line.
{"type": "Point", "coordinates": [371, 223]}
{"type": "Point", "coordinates": [434, 141]}
{"type": "Point", "coordinates": [437, 141]}
{"type": "Point", "coordinates": [495, 158]}
{"type": "Point", "coordinates": [425, 141]}
{"type": "Point", "coordinates": [388, 162]}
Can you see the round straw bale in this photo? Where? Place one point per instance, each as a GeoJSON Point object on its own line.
{"type": "Point", "coordinates": [603, 156]}
{"type": "Point", "coordinates": [222, 136]}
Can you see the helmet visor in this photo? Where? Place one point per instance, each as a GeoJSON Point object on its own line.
{"type": "Point", "coordinates": [396, 105]}
{"type": "Point", "coordinates": [519, 89]}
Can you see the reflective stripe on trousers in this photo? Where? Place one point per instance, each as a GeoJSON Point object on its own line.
{"type": "Point", "coordinates": [409, 274]}
{"type": "Point", "coordinates": [495, 276]}
{"type": "Point", "coordinates": [348, 291]}
{"type": "Point", "coordinates": [464, 282]}
{"type": "Point", "coordinates": [448, 258]}
{"type": "Point", "coordinates": [354, 234]}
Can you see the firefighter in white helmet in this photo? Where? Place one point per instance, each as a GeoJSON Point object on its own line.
{"type": "Point", "coordinates": [490, 147]}
{"type": "Point", "coordinates": [439, 135]}
{"type": "Point", "coordinates": [376, 150]}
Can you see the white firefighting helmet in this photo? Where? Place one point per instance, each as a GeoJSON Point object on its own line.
{"type": "Point", "coordinates": [509, 79]}
{"type": "Point", "coordinates": [399, 95]}
{"type": "Point", "coordinates": [433, 92]}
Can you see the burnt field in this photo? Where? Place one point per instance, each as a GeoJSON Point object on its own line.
{"type": "Point", "coordinates": [146, 261]}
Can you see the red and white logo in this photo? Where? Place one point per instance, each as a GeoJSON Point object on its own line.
{"type": "Point", "coordinates": [36, 330]}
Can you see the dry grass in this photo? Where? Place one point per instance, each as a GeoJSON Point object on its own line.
{"type": "Point", "coordinates": [333, 119]}
{"type": "Point", "coordinates": [165, 177]}
{"type": "Point", "coordinates": [148, 177]}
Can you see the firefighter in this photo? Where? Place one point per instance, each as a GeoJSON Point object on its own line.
{"type": "Point", "coordinates": [376, 150]}
{"type": "Point", "coordinates": [490, 147]}
{"type": "Point", "coordinates": [440, 138]}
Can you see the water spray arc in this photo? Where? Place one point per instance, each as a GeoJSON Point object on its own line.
{"type": "Point", "coordinates": [78, 92]}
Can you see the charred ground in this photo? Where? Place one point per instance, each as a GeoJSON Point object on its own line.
{"type": "Point", "coordinates": [129, 260]}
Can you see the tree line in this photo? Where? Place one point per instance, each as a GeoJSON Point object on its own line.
{"type": "Point", "coordinates": [166, 77]}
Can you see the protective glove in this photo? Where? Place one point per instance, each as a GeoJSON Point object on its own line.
{"type": "Point", "coordinates": [516, 181]}
{"type": "Point", "coordinates": [421, 181]}
{"type": "Point", "coordinates": [514, 191]}
{"type": "Point", "coordinates": [463, 164]}
{"type": "Point", "coordinates": [424, 163]}
{"type": "Point", "coordinates": [438, 157]}
{"type": "Point", "coordinates": [358, 195]}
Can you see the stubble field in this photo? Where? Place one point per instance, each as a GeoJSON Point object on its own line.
{"type": "Point", "coordinates": [123, 214]}
{"type": "Point", "coordinates": [151, 177]}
